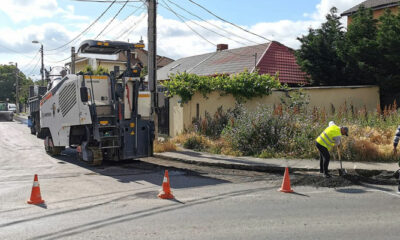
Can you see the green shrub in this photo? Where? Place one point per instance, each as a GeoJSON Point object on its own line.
{"type": "Point", "coordinates": [195, 142]}
{"type": "Point", "coordinates": [253, 133]}
{"type": "Point", "coordinates": [242, 86]}
{"type": "Point", "coordinates": [211, 126]}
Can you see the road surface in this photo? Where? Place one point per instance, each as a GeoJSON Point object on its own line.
{"type": "Point", "coordinates": [119, 201]}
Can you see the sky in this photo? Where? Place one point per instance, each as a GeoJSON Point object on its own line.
{"type": "Point", "coordinates": [184, 27]}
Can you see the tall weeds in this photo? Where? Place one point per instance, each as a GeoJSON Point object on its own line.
{"type": "Point", "coordinates": [289, 130]}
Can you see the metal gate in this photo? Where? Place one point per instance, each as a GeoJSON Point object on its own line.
{"type": "Point", "coordinates": [163, 114]}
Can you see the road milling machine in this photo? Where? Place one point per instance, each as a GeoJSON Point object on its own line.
{"type": "Point", "coordinates": [105, 117]}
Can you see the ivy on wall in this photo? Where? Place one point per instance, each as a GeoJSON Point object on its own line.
{"type": "Point", "coordinates": [242, 86]}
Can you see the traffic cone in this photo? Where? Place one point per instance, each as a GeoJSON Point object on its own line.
{"type": "Point", "coordinates": [36, 198]}
{"type": "Point", "coordinates": [286, 182]}
{"type": "Point", "coordinates": [165, 193]}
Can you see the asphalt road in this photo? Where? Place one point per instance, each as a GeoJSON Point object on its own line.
{"type": "Point", "coordinates": [119, 201]}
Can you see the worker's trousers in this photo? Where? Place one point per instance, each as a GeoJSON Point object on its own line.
{"type": "Point", "coordinates": [324, 158]}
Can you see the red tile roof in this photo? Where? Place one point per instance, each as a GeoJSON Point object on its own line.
{"type": "Point", "coordinates": [280, 59]}
{"type": "Point", "coordinates": [271, 58]}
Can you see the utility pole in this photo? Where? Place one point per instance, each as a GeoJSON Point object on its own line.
{"type": "Point", "coordinates": [73, 60]}
{"type": "Point", "coordinates": [16, 88]}
{"type": "Point", "coordinates": [42, 68]}
{"type": "Point", "coordinates": [41, 54]}
{"type": "Point", "coordinates": [152, 64]}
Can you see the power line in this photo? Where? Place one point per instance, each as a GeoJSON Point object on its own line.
{"type": "Point", "coordinates": [112, 19]}
{"type": "Point", "coordinates": [106, 1]}
{"type": "Point", "coordinates": [224, 36]}
{"type": "Point", "coordinates": [126, 33]}
{"type": "Point", "coordinates": [125, 19]}
{"type": "Point", "coordinates": [58, 61]}
{"type": "Point", "coordinates": [214, 25]}
{"type": "Point", "coordinates": [65, 59]}
{"type": "Point", "coordinates": [177, 15]}
{"type": "Point", "coordinates": [229, 51]}
{"type": "Point", "coordinates": [95, 21]}
{"type": "Point", "coordinates": [30, 62]}
{"type": "Point", "coordinates": [34, 68]}
{"type": "Point", "coordinates": [255, 34]}
{"type": "Point", "coordinates": [12, 50]}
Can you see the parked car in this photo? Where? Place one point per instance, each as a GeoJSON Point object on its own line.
{"type": "Point", "coordinates": [5, 113]}
{"type": "Point", "coordinates": [12, 107]}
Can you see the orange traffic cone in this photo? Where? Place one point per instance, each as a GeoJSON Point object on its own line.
{"type": "Point", "coordinates": [286, 182]}
{"type": "Point", "coordinates": [36, 198]}
{"type": "Point", "coordinates": [165, 193]}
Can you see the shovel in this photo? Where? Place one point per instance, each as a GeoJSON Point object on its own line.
{"type": "Point", "coordinates": [342, 171]}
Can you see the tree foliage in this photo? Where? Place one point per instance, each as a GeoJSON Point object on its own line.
{"type": "Point", "coordinates": [388, 43]}
{"type": "Point", "coordinates": [360, 49]}
{"type": "Point", "coordinates": [318, 54]}
{"type": "Point", "coordinates": [368, 53]}
{"type": "Point", "coordinates": [242, 86]}
{"type": "Point", "coordinates": [8, 81]}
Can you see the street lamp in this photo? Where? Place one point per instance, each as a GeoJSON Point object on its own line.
{"type": "Point", "coordinates": [41, 53]}
{"type": "Point", "coordinates": [16, 86]}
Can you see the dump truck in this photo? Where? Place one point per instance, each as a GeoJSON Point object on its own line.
{"type": "Point", "coordinates": [105, 117]}
{"type": "Point", "coordinates": [36, 93]}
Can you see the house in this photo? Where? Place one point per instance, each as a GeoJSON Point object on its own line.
{"type": "Point", "coordinates": [378, 7]}
{"type": "Point", "coordinates": [269, 58]}
{"type": "Point", "coordinates": [139, 55]}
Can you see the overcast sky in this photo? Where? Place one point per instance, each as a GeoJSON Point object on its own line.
{"type": "Point", "coordinates": [56, 22]}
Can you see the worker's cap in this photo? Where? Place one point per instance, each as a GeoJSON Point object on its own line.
{"type": "Point", "coordinates": [345, 130]}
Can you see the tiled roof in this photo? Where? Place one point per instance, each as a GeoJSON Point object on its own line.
{"type": "Point", "coordinates": [280, 59]}
{"type": "Point", "coordinates": [237, 60]}
{"type": "Point", "coordinates": [226, 61]}
{"type": "Point", "coordinates": [374, 4]}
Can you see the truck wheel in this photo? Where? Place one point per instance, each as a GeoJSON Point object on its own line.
{"type": "Point", "coordinates": [50, 148]}
{"type": "Point", "coordinates": [40, 134]}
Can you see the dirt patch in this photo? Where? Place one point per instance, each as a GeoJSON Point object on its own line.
{"type": "Point", "coordinates": [351, 178]}
{"type": "Point", "coordinates": [297, 178]}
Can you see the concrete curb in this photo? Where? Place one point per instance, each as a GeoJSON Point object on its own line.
{"type": "Point", "coordinates": [20, 118]}
{"type": "Point", "coordinates": [270, 169]}
{"type": "Point", "coordinates": [258, 168]}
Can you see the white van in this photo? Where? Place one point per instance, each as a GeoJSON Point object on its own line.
{"type": "Point", "coordinates": [12, 107]}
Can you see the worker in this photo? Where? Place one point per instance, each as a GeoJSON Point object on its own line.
{"type": "Point", "coordinates": [395, 143]}
{"type": "Point", "coordinates": [396, 140]}
{"type": "Point", "coordinates": [329, 138]}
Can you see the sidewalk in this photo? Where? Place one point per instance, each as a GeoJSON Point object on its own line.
{"type": "Point", "coordinates": [270, 164]}
{"type": "Point", "coordinates": [22, 117]}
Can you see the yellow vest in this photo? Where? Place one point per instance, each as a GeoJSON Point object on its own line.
{"type": "Point", "coordinates": [326, 137]}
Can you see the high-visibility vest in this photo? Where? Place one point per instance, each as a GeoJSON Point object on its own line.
{"type": "Point", "coordinates": [326, 138]}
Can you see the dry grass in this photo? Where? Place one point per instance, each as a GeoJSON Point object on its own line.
{"type": "Point", "coordinates": [366, 144]}
{"type": "Point", "coordinates": [166, 146]}
{"type": "Point", "coordinates": [370, 136]}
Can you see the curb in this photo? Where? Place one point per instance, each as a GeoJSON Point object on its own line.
{"type": "Point", "coordinates": [20, 119]}
{"type": "Point", "coordinates": [270, 169]}
{"type": "Point", "coordinates": [257, 168]}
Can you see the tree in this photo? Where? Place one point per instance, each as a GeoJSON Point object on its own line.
{"type": "Point", "coordinates": [388, 44]}
{"type": "Point", "coordinates": [7, 84]}
{"type": "Point", "coordinates": [360, 51]}
{"type": "Point", "coordinates": [318, 54]}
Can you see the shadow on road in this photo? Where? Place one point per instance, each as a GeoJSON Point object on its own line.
{"type": "Point", "coordinates": [136, 171]}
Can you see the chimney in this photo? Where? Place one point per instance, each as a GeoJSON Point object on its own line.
{"type": "Point", "coordinates": [221, 47]}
